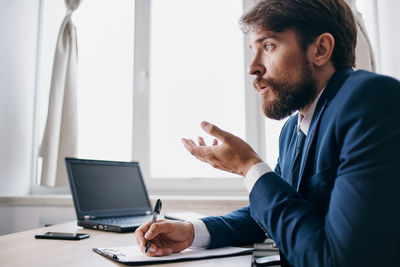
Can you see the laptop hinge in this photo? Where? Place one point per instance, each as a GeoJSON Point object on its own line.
{"type": "Point", "coordinates": [88, 217]}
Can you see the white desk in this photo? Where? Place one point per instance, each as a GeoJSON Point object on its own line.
{"type": "Point", "coordinates": [22, 249]}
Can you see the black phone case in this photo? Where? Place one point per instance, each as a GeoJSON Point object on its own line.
{"type": "Point", "coordinates": [78, 236]}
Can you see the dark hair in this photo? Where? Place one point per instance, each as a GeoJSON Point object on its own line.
{"type": "Point", "coordinates": [309, 19]}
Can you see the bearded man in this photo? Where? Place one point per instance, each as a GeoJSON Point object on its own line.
{"type": "Point", "coordinates": [332, 199]}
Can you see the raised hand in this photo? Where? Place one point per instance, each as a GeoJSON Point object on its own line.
{"type": "Point", "coordinates": [230, 153]}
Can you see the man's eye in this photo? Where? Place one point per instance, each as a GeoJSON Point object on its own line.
{"type": "Point", "coordinates": [269, 47]}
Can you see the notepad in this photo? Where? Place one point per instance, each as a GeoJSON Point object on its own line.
{"type": "Point", "coordinates": [133, 256]}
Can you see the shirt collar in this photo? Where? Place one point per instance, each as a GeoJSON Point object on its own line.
{"type": "Point", "coordinates": [304, 120]}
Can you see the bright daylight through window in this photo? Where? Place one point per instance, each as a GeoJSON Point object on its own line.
{"type": "Point", "coordinates": [196, 73]}
{"type": "Point", "coordinates": [196, 68]}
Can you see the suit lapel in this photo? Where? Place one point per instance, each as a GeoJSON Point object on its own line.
{"type": "Point", "coordinates": [309, 141]}
{"type": "Point", "coordinates": [329, 93]}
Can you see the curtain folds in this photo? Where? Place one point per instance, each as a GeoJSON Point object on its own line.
{"type": "Point", "coordinates": [60, 134]}
{"type": "Point", "coordinates": [365, 58]}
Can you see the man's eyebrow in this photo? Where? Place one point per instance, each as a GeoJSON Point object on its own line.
{"type": "Point", "coordinates": [263, 38]}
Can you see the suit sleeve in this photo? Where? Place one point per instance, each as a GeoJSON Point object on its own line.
{"type": "Point", "coordinates": [236, 228]}
{"type": "Point", "coordinates": [361, 226]}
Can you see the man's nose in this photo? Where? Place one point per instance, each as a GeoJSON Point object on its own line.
{"type": "Point", "coordinates": [256, 67]}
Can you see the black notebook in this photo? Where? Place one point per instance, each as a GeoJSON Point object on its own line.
{"type": "Point", "coordinates": [108, 195]}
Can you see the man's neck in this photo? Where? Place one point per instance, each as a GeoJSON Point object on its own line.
{"type": "Point", "coordinates": [322, 75]}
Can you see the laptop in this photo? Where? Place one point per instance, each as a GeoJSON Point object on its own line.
{"type": "Point", "coordinates": [108, 195]}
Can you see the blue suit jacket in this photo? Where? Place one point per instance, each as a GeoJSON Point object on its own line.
{"type": "Point", "coordinates": [346, 209]}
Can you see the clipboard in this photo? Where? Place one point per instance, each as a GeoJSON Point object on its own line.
{"type": "Point", "coordinates": [132, 255]}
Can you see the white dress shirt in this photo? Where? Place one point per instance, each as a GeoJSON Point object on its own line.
{"type": "Point", "coordinates": [201, 234]}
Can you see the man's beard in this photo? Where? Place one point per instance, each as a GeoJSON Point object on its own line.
{"type": "Point", "coordinates": [284, 97]}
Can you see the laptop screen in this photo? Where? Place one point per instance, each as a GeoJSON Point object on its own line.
{"type": "Point", "coordinates": [107, 188]}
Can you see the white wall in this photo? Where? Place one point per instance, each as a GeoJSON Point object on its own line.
{"type": "Point", "coordinates": [23, 217]}
{"type": "Point", "coordinates": [18, 31]}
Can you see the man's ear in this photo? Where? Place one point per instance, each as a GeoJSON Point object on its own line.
{"type": "Point", "coordinates": [322, 49]}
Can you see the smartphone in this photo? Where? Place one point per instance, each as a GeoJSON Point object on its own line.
{"type": "Point", "coordinates": [62, 236]}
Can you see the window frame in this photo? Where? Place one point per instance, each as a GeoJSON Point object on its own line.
{"type": "Point", "coordinates": [255, 122]}
{"type": "Point", "coordinates": [255, 129]}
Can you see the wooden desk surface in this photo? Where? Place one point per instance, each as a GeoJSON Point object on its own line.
{"type": "Point", "coordinates": [22, 249]}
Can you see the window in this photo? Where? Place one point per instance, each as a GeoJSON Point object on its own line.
{"type": "Point", "coordinates": [193, 69]}
{"type": "Point", "coordinates": [149, 73]}
{"type": "Point", "coordinates": [195, 75]}
{"type": "Point", "coordinates": [105, 81]}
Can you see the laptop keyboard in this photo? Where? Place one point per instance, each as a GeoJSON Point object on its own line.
{"type": "Point", "coordinates": [125, 220]}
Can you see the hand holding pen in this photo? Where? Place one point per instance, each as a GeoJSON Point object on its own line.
{"type": "Point", "coordinates": [163, 237]}
{"type": "Point", "coordinates": [156, 212]}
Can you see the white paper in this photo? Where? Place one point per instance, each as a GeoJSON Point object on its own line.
{"type": "Point", "coordinates": [133, 254]}
{"type": "Point", "coordinates": [184, 215]}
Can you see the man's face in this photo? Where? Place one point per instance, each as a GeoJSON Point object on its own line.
{"type": "Point", "coordinates": [284, 76]}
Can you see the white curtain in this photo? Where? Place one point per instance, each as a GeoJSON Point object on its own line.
{"type": "Point", "coordinates": [381, 20]}
{"type": "Point", "coordinates": [364, 54]}
{"type": "Point", "coordinates": [60, 134]}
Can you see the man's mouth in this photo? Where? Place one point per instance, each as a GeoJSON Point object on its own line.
{"type": "Point", "coordinates": [262, 86]}
{"type": "Point", "coordinates": [263, 90]}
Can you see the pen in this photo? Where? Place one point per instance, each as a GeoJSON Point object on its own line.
{"type": "Point", "coordinates": [156, 211]}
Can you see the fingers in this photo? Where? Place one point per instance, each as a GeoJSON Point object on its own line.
{"type": "Point", "coordinates": [201, 141]}
{"type": "Point", "coordinates": [173, 237]}
{"type": "Point", "coordinates": [140, 232]}
{"type": "Point", "coordinates": [199, 152]}
{"type": "Point", "coordinates": [212, 130]}
{"type": "Point", "coordinates": [189, 144]}
{"type": "Point", "coordinates": [202, 151]}
{"type": "Point", "coordinates": [157, 228]}
{"type": "Point", "coordinates": [215, 131]}
{"type": "Point", "coordinates": [155, 251]}
{"type": "Point", "coordinates": [215, 142]}
{"type": "Point", "coordinates": [148, 231]}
